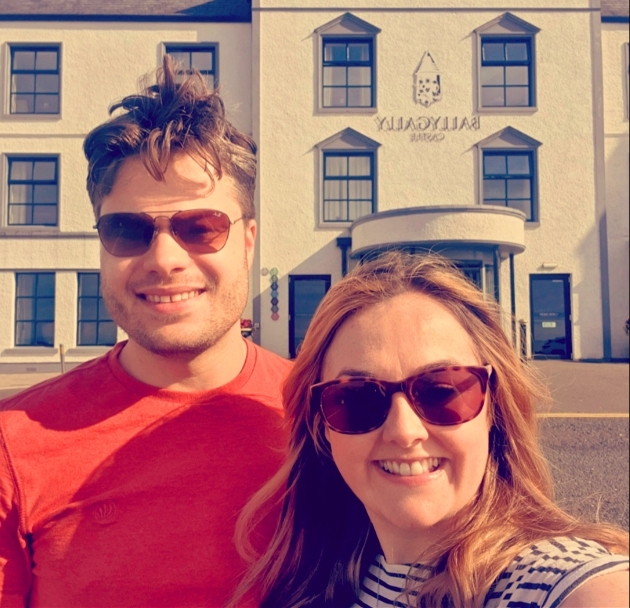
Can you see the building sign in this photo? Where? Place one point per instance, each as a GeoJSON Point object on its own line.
{"type": "Point", "coordinates": [427, 86]}
{"type": "Point", "coordinates": [427, 128]}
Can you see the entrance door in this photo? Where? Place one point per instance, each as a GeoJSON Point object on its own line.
{"type": "Point", "coordinates": [305, 294]}
{"type": "Point", "coordinates": [550, 296]}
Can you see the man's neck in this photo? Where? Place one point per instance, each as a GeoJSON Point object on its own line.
{"type": "Point", "coordinates": [211, 369]}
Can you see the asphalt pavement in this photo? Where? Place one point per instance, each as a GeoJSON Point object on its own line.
{"type": "Point", "coordinates": [584, 433]}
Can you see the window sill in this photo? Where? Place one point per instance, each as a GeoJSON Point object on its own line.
{"type": "Point", "coordinates": [30, 351]}
{"type": "Point", "coordinates": [31, 117]}
{"type": "Point", "coordinates": [518, 110]}
{"type": "Point", "coordinates": [335, 225]}
{"type": "Point", "coordinates": [342, 110]}
{"type": "Point", "coordinates": [88, 351]}
{"type": "Point", "coordinates": [532, 224]}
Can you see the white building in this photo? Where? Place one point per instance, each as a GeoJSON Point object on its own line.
{"type": "Point", "coordinates": [498, 137]}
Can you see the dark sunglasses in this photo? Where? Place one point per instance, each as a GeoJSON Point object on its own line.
{"type": "Point", "coordinates": [442, 396]}
{"type": "Point", "coordinates": [195, 230]}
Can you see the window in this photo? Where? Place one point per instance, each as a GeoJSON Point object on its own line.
{"type": "Point", "coordinates": [33, 191]}
{"type": "Point", "coordinates": [35, 309]}
{"type": "Point", "coordinates": [35, 82]}
{"type": "Point", "coordinates": [305, 293]}
{"type": "Point", "coordinates": [506, 76]}
{"type": "Point", "coordinates": [348, 177]}
{"type": "Point", "coordinates": [508, 171]}
{"type": "Point", "coordinates": [508, 180]}
{"type": "Point", "coordinates": [347, 72]}
{"type": "Point", "coordinates": [199, 57]}
{"type": "Point", "coordinates": [348, 186]}
{"type": "Point", "coordinates": [95, 326]}
{"type": "Point", "coordinates": [506, 72]}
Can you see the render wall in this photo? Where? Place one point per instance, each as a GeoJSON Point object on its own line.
{"type": "Point", "coordinates": [615, 77]}
{"type": "Point", "coordinates": [100, 63]}
{"type": "Point", "coordinates": [412, 173]}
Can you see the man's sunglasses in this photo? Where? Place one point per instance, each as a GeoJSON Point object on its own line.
{"type": "Point", "coordinates": [195, 230]}
{"type": "Point", "coordinates": [443, 396]}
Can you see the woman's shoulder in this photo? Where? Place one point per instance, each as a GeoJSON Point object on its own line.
{"type": "Point", "coordinates": [545, 573]}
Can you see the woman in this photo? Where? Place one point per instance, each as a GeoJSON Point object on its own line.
{"type": "Point", "coordinates": [414, 476]}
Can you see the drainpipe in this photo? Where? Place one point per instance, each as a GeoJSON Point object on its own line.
{"type": "Point", "coordinates": [344, 243]}
{"type": "Point", "coordinates": [513, 299]}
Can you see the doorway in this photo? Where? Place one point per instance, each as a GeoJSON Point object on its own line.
{"type": "Point", "coordinates": [305, 293]}
{"type": "Point", "coordinates": [550, 299]}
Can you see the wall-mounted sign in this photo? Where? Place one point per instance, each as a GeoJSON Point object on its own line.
{"type": "Point", "coordinates": [427, 128]}
{"type": "Point", "coordinates": [427, 86]}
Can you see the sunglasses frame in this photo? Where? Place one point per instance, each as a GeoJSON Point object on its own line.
{"type": "Point", "coordinates": [482, 372]}
{"type": "Point", "coordinates": [156, 229]}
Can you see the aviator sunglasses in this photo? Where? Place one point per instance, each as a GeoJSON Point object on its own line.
{"type": "Point", "coordinates": [195, 230]}
{"type": "Point", "coordinates": [443, 396]}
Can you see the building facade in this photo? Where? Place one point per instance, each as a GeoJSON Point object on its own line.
{"type": "Point", "coordinates": [495, 136]}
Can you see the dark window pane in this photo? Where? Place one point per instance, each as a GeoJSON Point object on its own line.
{"type": "Point", "coordinates": [21, 170]}
{"type": "Point", "coordinates": [47, 104]}
{"type": "Point", "coordinates": [517, 96]}
{"type": "Point", "coordinates": [87, 333]}
{"type": "Point", "coordinates": [492, 75]}
{"type": "Point", "coordinates": [107, 333]}
{"type": "Point", "coordinates": [44, 170]}
{"type": "Point", "coordinates": [359, 52]}
{"type": "Point", "coordinates": [25, 310]}
{"type": "Point", "coordinates": [493, 96]}
{"type": "Point", "coordinates": [45, 334]}
{"type": "Point", "coordinates": [493, 51]}
{"type": "Point", "coordinates": [24, 333]}
{"type": "Point", "coordinates": [518, 164]}
{"type": "Point", "coordinates": [20, 215]}
{"type": "Point", "coordinates": [494, 164]}
{"type": "Point", "coordinates": [493, 188]}
{"type": "Point", "coordinates": [44, 215]}
{"type": "Point", "coordinates": [88, 284]}
{"type": "Point", "coordinates": [335, 52]}
{"type": "Point", "coordinates": [45, 194]}
{"type": "Point", "coordinates": [20, 193]}
{"type": "Point", "coordinates": [26, 284]}
{"type": "Point", "coordinates": [46, 60]}
{"type": "Point", "coordinates": [88, 309]}
{"type": "Point", "coordinates": [516, 51]}
{"type": "Point", "coordinates": [23, 83]}
{"type": "Point", "coordinates": [45, 309]}
{"type": "Point", "coordinates": [46, 284]}
{"type": "Point", "coordinates": [22, 104]}
{"type": "Point", "coordinates": [519, 188]}
{"type": "Point", "coordinates": [47, 83]}
{"type": "Point", "coordinates": [24, 60]}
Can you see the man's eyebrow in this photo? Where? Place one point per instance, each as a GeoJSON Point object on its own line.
{"type": "Point", "coordinates": [355, 372]}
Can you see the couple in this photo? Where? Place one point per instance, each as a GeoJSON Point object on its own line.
{"type": "Point", "coordinates": [410, 423]}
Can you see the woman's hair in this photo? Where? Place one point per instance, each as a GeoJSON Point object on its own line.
{"type": "Point", "coordinates": [325, 543]}
{"type": "Point", "coordinates": [179, 113]}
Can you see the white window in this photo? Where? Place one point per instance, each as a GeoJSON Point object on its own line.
{"type": "Point", "coordinates": [506, 65]}
{"type": "Point", "coordinates": [346, 80]}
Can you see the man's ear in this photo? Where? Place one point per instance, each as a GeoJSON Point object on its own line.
{"type": "Point", "coordinates": [251, 229]}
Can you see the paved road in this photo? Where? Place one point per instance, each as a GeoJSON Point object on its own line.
{"type": "Point", "coordinates": [584, 434]}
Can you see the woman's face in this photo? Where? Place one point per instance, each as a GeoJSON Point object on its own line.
{"type": "Point", "coordinates": [392, 341]}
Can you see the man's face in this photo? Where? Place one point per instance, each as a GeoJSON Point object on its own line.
{"type": "Point", "coordinates": [172, 302]}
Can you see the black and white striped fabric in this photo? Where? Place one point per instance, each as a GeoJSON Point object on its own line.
{"type": "Point", "coordinates": [542, 576]}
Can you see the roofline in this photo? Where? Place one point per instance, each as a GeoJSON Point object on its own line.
{"type": "Point", "coordinates": [127, 18]}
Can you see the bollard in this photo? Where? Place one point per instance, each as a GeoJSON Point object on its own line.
{"type": "Point", "coordinates": [522, 325]}
{"type": "Point", "coordinates": [62, 357]}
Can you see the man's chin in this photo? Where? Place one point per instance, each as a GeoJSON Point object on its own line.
{"type": "Point", "coordinates": [177, 346]}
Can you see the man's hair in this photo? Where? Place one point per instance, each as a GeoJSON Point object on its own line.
{"type": "Point", "coordinates": [325, 542]}
{"type": "Point", "coordinates": [167, 118]}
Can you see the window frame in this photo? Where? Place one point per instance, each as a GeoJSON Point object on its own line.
{"type": "Point", "coordinates": [346, 28]}
{"type": "Point", "coordinates": [9, 159]}
{"type": "Point", "coordinates": [511, 141]}
{"type": "Point", "coordinates": [346, 142]}
{"type": "Point", "coordinates": [506, 29]}
{"type": "Point", "coordinates": [34, 319]}
{"type": "Point", "coordinates": [98, 320]}
{"type": "Point", "coordinates": [14, 47]}
{"type": "Point", "coordinates": [347, 154]}
{"type": "Point", "coordinates": [191, 47]}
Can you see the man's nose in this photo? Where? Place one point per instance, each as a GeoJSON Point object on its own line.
{"type": "Point", "coordinates": [165, 255]}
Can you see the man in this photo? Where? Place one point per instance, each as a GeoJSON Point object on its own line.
{"type": "Point", "coordinates": [120, 481]}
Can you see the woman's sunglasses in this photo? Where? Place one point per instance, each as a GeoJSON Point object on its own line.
{"type": "Point", "coordinates": [195, 230]}
{"type": "Point", "coordinates": [443, 396]}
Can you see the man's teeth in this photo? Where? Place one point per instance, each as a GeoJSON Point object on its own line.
{"type": "Point", "coordinates": [407, 469]}
{"type": "Point", "coordinates": [176, 297]}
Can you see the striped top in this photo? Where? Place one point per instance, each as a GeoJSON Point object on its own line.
{"type": "Point", "coordinates": [541, 576]}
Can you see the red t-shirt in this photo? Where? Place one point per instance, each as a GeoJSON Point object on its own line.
{"type": "Point", "coordinates": [116, 493]}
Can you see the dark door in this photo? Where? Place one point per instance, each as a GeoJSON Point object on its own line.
{"type": "Point", "coordinates": [305, 294]}
{"type": "Point", "coordinates": [550, 296]}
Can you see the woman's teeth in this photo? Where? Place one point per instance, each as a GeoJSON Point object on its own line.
{"type": "Point", "coordinates": [176, 297]}
{"type": "Point", "coordinates": [408, 469]}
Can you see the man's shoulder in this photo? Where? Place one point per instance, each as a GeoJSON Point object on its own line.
{"type": "Point", "coordinates": [72, 385]}
{"type": "Point", "coordinates": [272, 361]}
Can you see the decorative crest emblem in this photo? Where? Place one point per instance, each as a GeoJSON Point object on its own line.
{"type": "Point", "coordinates": [426, 81]}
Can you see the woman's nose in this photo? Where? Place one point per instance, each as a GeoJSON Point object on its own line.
{"type": "Point", "coordinates": [403, 426]}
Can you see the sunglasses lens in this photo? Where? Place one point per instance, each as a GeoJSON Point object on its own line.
{"type": "Point", "coordinates": [448, 396]}
{"type": "Point", "coordinates": [355, 406]}
{"type": "Point", "coordinates": [125, 234]}
{"type": "Point", "coordinates": [201, 231]}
